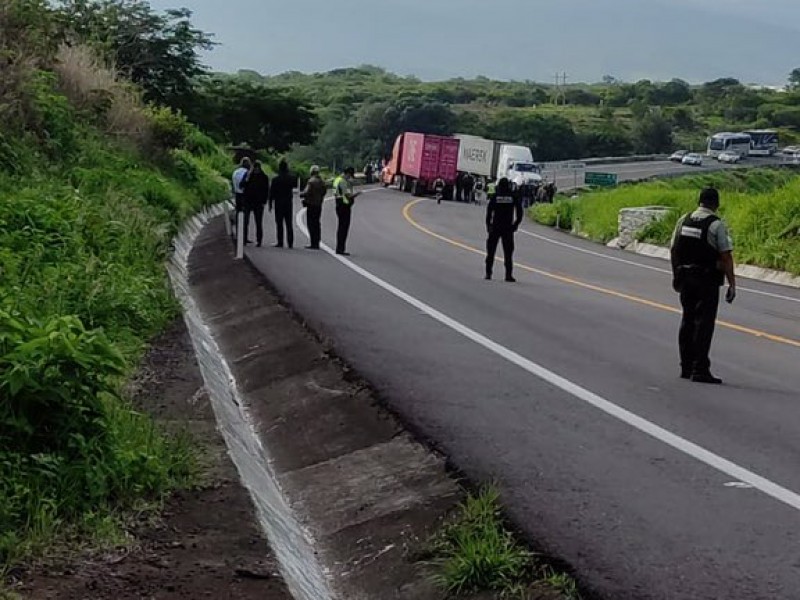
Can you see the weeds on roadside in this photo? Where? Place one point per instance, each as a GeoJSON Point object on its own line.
{"type": "Point", "coordinates": [476, 552]}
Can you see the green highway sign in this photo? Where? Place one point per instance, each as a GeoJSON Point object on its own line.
{"type": "Point", "coordinates": [601, 179]}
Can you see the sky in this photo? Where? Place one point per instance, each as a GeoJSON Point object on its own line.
{"type": "Point", "coordinates": [696, 40]}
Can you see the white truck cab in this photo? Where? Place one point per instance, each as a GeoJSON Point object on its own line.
{"type": "Point", "coordinates": [524, 173]}
{"type": "Point", "coordinates": [516, 163]}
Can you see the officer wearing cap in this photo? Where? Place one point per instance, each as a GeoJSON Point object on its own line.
{"type": "Point", "coordinates": [702, 258]}
{"type": "Point", "coordinates": [503, 216]}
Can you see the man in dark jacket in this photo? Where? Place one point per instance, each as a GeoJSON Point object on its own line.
{"type": "Point", "coordinates": [313, 197]}
{"type": "Point", "coordinates": [256, 195]}
{"type": "Point", "coordinates": [503, 216]}
{"type": "Point", "coordinates": [280, 196]}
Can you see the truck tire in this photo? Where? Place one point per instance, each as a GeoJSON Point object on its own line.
{"type": "Point", "coordinates": [417, 188]}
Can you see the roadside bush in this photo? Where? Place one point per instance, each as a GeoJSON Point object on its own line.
{"type": "Point", "coordinates": [170, 129]}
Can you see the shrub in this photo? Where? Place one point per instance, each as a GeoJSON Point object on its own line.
{"type": "Point", "coordinates": [170, 129]}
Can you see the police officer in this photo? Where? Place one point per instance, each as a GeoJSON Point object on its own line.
{"type": "Point", "coordinates": [702, 258]}
{"type": "Point", "coordinates": [345, 196]}
{"type": "Point", "coordinates": [503, 216]}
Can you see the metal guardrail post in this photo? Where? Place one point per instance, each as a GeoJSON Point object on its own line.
{"type": "Point", "coordinates": [227, 210]}
{"type": "Point", "coordinates": [240, 235]}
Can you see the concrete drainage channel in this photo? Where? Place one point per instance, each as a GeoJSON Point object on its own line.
{"type": "Point", "coordinates": [343, 494]}
{"type": "Point", "coordinates": [290, 542]}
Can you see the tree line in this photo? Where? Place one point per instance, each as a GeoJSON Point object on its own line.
{"type": "Point", "coordinates": [354, 114]}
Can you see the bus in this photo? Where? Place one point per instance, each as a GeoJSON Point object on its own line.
{"type": "Point", "coordinates": [739, 143]}
{"type": "Point", "coordinates": [764, 142]}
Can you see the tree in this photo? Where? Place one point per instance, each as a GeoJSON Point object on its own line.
{"type": "Point", "coordinates": [608, 140]}
{"type": "Point", "coordinates": [551, 137]}
{"type": "Point", "coordinates": [157, 51]}
{"type": "Point", "coordinates": [794, 80]}
{"type": "Point", "coordinates": [652, 134]}
{"type": "Point", "coordinates": [682, 118]}
{"type": "Point", "coordinates": [234, 111]}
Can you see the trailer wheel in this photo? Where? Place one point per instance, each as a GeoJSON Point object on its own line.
{"type": "Point", "coordinates": [416, 188]}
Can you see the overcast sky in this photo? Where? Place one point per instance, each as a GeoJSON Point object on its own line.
{"type": "Point", "coordinates": [697, 40]}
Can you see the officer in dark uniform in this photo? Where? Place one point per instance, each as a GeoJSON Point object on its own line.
{"type": "Point", "coordinates": [503, 216]}
{"type": "Point", "coordinates": [702, 258]}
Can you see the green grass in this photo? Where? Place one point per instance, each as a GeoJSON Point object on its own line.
{"type": "Point", "coordinates": [85, 227]}
{"type": "Point", "coordinates": [476, 552]}
{"type": "Point", "coordinates": [761, 207]}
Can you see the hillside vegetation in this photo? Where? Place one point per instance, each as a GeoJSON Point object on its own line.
{"type": "Point", "coordinates": [360, 111]}
{"type": "Point", "coordinates": [94, 182]}
{"type": "Point", "coordinates": [762, 208]}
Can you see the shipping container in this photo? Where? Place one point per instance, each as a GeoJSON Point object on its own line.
{"type": "Point", "coordinates": [477, 156]}
{"type": "Point", "coordinates": [418, 160]}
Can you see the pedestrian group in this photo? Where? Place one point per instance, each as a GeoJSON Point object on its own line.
{"type": "Point", "coordinates": [701, 248]}
{"type": "Point", "coordinates": [253, 192]}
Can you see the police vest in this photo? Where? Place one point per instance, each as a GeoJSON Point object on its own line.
{"type": "Point", "coordinates": [692, 249]}
{"type": "Point", "coordinates": [340, 197]}
{"type": "Point", "coordinates": [491, 188]}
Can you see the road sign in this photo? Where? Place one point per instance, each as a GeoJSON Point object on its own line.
{"type": "Point", "coordinates": [601, 179]}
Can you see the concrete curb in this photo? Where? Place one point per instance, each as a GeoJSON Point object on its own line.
{"type": "Point", "coordinates": [746, 271]}
{"type": "Point", "coordinates": [342, 492]}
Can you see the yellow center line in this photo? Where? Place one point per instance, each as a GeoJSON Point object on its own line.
{"type": "Point", "coordinates": [589, 286]}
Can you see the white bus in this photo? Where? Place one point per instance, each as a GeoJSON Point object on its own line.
{"type": "Point", "coordinates": [764, 142]}
{"type": "Point", "coordinates": [738, 143]}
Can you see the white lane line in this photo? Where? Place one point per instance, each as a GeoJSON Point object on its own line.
{"type": "Point", "coordinates": [643, 266]}
{"type": "Point", "coordinates": [723, 465]}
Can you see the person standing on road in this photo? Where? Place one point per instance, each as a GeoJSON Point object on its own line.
{"type": "Point", "coordinates": [256, 196]}
{"type": "Point", "coordinates": [280, 196]}
{"type": "Point", "coordinates": [702, 258]}
{"type": "Point", "coordinates": [345, 197]}
{"type": "Point", "coordinates": [313, 197]}
{"type": "Point", "coordinates": [236, 183]}
{"type": "Point", "coordinates": [438, 189]}
{"type": "Point", "coordinates": [503, 217]}
{"type": "Point", "coordinates": [468, 188]}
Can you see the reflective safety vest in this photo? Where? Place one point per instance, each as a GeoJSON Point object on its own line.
{"type": "Point", "coordinates": [340, 197]}
{"type": "Point", "coordinates": [491, 189]}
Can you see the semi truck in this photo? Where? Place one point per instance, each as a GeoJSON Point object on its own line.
{"type": "Point", "coordinates": [492, 160]}
{"type": "Point", "coordinates": [419, 160]}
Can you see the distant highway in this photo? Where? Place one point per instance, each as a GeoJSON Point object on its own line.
{"type": "Point", "coordinates": [564, 389]}
{"type": "Point", "coordinates": [635, 171]}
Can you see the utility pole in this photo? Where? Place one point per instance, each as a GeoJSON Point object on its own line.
{"type": "Point", "coordinates": [561, 83]}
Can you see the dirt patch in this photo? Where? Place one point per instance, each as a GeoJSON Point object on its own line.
{"type": "Point", "coordinates": [206, 543]}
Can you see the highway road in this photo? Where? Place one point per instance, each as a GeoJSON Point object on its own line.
{"type": "Point", "coordinates": [563, 389]}
{"type": "Point", "coordinates": [635, 171]}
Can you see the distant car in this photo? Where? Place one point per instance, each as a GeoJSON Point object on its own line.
{"type": "Point", "coordinates": [729, 157]}
{"type": "Point", "coordinates": [692, 159]}
{"type": "Point", "coordinates": [678, 156]}
{"type": "Point", "coordinates": [791, 156]}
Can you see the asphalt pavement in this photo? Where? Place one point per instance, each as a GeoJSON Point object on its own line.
{"type": "Point", "coordinates": [563, 389]}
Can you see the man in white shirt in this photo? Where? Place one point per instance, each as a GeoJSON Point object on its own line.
{"type": "Point", "coordinates": [236, 182]}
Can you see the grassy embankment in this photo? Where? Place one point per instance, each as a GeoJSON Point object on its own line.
{"type": "Point", "coordinates": [93, 185]}
{"type": "Point", "coordinates": [762, 208]}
